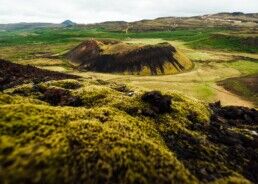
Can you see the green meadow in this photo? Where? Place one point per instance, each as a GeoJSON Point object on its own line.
{"type": "Point", "coordinates": [196, 38]}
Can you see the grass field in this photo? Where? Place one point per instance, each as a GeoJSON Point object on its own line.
{"type": "Point", "coordinates": [195, 38]}
{"type": "Point", "coordinates": [62, 35]}
{"type": "Point", "coordinates": [216, 57]}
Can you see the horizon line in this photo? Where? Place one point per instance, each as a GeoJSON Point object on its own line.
{"type": "Point", "coordinates": [25, 22]}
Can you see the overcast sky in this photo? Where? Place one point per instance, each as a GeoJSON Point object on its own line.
{"type": "Point", "coordinates": [90, 11]}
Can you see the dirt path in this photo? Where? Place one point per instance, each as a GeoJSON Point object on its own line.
{"type": "Point", "coordinates": [228, 98]}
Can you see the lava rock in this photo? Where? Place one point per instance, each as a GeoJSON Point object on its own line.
{"type": "Point", "coordinates": [158, 103]}
{"type": "Point", "coordinates": [60, 97]}
{"type": "Point", "coordinates": [234, 114]}
{"type": "Point", "coordinates": [12, 74]}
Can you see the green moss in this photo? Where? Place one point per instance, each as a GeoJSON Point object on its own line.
{"type": "Point", "coordinates": [17, 99]}
{"type": "Point", "coordinates": [59, 144]}
{"type": "Point", "coordinates": [128, 151]}
{"type": "Point", "coordinates": [232, 180]}
{"type": "Point", "coordinates": [107, 140]}
{"type": "Point", "coordinates": [66, 84]}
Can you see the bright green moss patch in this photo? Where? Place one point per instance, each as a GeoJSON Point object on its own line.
{"type": "Point", "coordinates": [16, 99]}
{"type": "Point", "coordinates": [108, 139]}
{"type": "Point", "coordinates": [54, 144]}
{"type": "Point", "coordinates": [245, 67]}
{"type": "Point", "coordinates": [66, 84]}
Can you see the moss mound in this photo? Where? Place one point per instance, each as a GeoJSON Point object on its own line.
{"type": "Point", "coordinates": [118, 57]}
{"type": "Point", "coordinates": [109, 138]}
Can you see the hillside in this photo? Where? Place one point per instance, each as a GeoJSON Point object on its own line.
{"type": "Point", "coordinates": [230, 20]}
{"type": "Point", "coordinates": [36, 25]}
{"type": "Point", "coordinates": [118, 57]}
{"type": "Point", "coordinates": [87, 131]}
{"type": "Point", "coordinates": [20, 26]}
{"type": "Point", "coordinates": [68, 23]}
{"type": "Point", "coordinates": [233, 20]}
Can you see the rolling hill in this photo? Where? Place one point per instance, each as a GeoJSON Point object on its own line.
{"type": "Point", "coordinates": [230, 20]}
{"type": "Point", "coordinates": [37, 25]}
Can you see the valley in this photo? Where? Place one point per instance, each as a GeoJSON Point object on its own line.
{"type": "Point", "coordinates": [210, 66]}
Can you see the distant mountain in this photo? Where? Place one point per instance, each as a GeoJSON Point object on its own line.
{"type": "Point", "coordinates": [24, 25]}
{"type": "Point", "coordinates": [68, 23]}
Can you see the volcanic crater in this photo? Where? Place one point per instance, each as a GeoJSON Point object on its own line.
{"type": "Point", "coordinates": [109, 56]}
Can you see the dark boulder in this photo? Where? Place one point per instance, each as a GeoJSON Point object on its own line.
{"type": "Point", "coordinates": [159, 103]}
{"type": "Point", "coordinates": [61, 97]}
{"type": "Point", "coordinates": [234, 114]}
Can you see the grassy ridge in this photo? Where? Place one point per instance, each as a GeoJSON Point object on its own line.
{"type": "Point", "coordinates": [227, 42]}
{"type": "Point", "coordinates": [61, 35]}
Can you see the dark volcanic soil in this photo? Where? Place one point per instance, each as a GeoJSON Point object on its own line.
{"type": "Point", "coordinates": [90, 56]}
{"type": "Point", "coordinates": [61, 97]}
{"type": "Point", "coordinates": [235, 149]}
{"type": "Point", "coordinates": [15, 74]}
